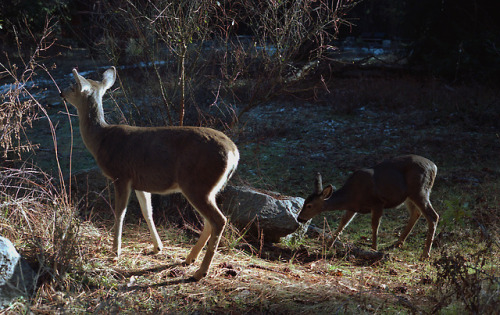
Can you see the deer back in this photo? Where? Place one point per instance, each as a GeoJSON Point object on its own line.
{"type": "Point", "coordinates": [398, 178]}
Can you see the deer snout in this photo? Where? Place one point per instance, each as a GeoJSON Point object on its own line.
{"type": "Point", "coordinates": [301, 220]}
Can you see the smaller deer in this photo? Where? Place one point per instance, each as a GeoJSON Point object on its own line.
{"type": "Point", "coordinates": [194, 161]}
{"type": "Point", "coordinates": [407, 178]}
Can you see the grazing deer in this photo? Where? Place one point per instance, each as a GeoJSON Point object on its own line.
{"type": "Point", "coordinates": [407, 178]}
{"type": "Point", "coordinates": [192, 160]}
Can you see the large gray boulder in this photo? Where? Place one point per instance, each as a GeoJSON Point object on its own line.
{"type": "Point", "coordinates": [16, 276]}
{"type": "Point", "coordinates": [269, 215]}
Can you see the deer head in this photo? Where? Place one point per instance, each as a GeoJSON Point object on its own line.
{"type": "Point", "coordinates": [314, 204]}
{"type": "Point", "coordinates": [79, 93]}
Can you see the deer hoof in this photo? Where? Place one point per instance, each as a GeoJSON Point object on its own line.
{"type": "Point", "coordinates": [189, 260]}
{"type": "Point", "coordinates": [198, 275]}
{"type": "Point", "coordinates": [157, 250]}
{"type": "Point", "coordinates": [154, 251]}
{"type": "Point", "coordinates": [117, 254]}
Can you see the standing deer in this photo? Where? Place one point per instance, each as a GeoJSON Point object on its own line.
{"type": "Point", "coordinates": [192, 160]}
{"type": "Point", "coordinates": [407, 178]}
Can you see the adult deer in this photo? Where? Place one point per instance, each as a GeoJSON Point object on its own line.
{"type": "Point", "coordinates": [407, 178]}
{"type": "Point", "coordinates": [192, 160]}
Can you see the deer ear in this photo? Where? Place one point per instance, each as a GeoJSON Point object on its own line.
{"type": "Point", "coordinates": [82, 83]}
{"type": "Point", "coordinates": [108, 78]}
{"type": "Point", "coordinates": [327, 192]}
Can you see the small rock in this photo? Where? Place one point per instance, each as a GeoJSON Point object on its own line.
{"type": "Point", "coordinates": [16, 276]}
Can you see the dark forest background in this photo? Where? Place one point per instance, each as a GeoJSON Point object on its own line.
{"type": "Point", "coordinates": [459, 40]}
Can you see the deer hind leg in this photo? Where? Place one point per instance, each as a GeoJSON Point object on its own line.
{"type": "Point", "coordinates": [376, 215]}
{"type": "Point", "coordinates": [414, 216]}
{"type": "Point", "coordinates": [122, 194]}
{"type": "Point", "coordinates": [204, 236]}
{"type": "Point", "coordinates": [212, 233]}
{"type": "Point", "coordinates": [432, 218]}
{"type": "Point", "coordinates": [147, 211]}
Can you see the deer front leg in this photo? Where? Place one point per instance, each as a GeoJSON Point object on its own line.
{"type": "Point", "coordinates": [376, 215]}
{"type": "Point", "coordinates": [147, 212]}
{"type": "Point", "coordinates": [344, 221]}
{"type": "Point", "coordinates": [122, 193]}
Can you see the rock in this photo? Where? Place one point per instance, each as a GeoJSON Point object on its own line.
{"type": "Point", "coordinates": [16, 276]}
{"type": "Point", "coordinates": [270, 215]}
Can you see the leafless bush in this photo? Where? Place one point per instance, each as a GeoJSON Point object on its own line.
{"type": "Point", "coordinates": [19, 107]}
{"type": "Point", "coordinates": [181, 25]}
{"type": "Point", "coordinates": [38, 217]}
{"type": "Point", "coordinates": [468, 280]}
{"type": "Point", "coordinates": [290, 40]}
{"type": "Point", "coordinates": [16, 112]}
{"type": "Point", "coordinates": [209, 55]}
{"type": "Point", "coordinates": [35, 208]}
{"type": "Point", "coordinates": [172, 40]}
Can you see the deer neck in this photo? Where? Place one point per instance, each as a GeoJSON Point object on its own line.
{"type": "Point", "coordinates": [92, 122]}
{"type": "Point", "coordinates": [339, 200]}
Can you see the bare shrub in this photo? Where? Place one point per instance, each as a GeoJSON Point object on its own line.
{"type": "Point", "coordinates": [37, 216]}
{"type": "Point", "coordinates": [35, 208]}
{"type": "Point", "coordinates": [469, 281]}
{"type": "Point", "coordinates": [207, 56]}
{"type": "Point", "coordinates": [19, 108]}
{"type": "Point", "coordinates": [173, 40]}
{"type": "Point", "coordinates": [16, 112]}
